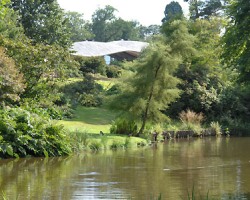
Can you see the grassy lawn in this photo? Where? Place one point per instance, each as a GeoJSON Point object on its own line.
{"type": "Point", "coordinates": [91, 120]}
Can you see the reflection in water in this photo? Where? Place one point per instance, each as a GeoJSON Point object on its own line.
{"type": "Point", "coordinates": [215, 165]}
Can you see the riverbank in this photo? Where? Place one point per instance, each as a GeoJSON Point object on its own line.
{"type": "Point", "coordinates": [89, 128]}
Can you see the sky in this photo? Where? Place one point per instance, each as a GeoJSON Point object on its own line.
{"type": "Point", "coordinates": [146, 12]}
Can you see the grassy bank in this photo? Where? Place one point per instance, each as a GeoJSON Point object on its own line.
{"type": "Point", "coordinates": [86, 125]}
{"type": "Point", "coordinates": [91, 120]}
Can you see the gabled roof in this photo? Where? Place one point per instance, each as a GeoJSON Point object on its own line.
{"type": "Point", "coordinates": [117, 49]}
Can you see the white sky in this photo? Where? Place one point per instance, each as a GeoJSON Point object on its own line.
{"type": "Point", "coordinates": [146, 12]}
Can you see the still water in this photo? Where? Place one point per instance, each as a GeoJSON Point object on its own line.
{"type": "Point", "coordinates": [219, 167]}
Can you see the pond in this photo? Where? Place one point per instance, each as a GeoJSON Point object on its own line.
{"type": "Point", "coordinates": [219, 167]}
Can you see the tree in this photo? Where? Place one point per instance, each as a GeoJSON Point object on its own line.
{"type": "Point", "coordinates": [237, 49]}
{"type": "Point", "coordinates": [42, 21]}
{"type": "Point", "coordinates": [204, 8]}
{"type": "Point", "coordinates": [120, 29]}
{"type": "Point", "coordinates": [148, 31]}
{"type": "Point", "coordinates": [92, 65]}
{"type": "Point", "coordinates": [41, 65]}
{"type": "Point", "coordinates": [100, 19]}
{"type": "Point", "coordinates": [203, 77]}
{"type": "Point", "coordinates": [11, 80]}
{"type": "Point", "coordinates": [153, 87]}
{"type": "Point", "coordinates": [236, 39]}
{"type": "Point", "coordinates": [172, 11]}
{"type": "Point", "coordinates": [8, 22]}
{"type": "Point", "coordinates": [107, 27]}
{"type": "Point", "coordinates": [78, 27]}
{"type": "Point", "coordinates": [4, 8]}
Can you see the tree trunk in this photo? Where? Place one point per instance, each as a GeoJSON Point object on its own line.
{"type": "Point", "coordinates": [145, 115]}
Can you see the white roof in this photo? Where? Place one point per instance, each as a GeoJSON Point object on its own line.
{"type": "Point", "coordinates": [92, 48]}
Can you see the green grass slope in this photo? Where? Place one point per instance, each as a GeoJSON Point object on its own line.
{"type": "Point", "coordinates": [92, 120]}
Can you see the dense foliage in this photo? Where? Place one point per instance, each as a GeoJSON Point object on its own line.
{"type": "Point", "coordinates": [204, 8]}
{"type": "Point", "coordinates": [172, 11]}
{"type": "Point", "coordinates": [124, 127]}
{"type": "Point", "coordinates": [11, 80]}
{"type": "Point", "coordinates": [92, 65]}
{"type": "Point", "coordinates": [78, 27]}
{"type": "Point", "coordinates": [23, 133]}
{"type": "Point", "coordinates": [42, 21]}
{"type": "Point", "coordinates": [85, 92]}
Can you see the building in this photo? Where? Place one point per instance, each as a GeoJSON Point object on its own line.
{"type": "Point", "coordinates": [119, 50]}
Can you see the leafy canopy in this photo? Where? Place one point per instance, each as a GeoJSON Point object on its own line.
{"type": "Point", "coordinates": [236, 38]}
{"type": "Point", "coordinates": [11, 80]}
{"type": "Point", "coordinates": [204, 8]}
{"type": "Point", "coordinates": [43, 21]}
{"type": "Point", "coordinates": [172, 11]}
{"type": "Point", "coordinates": [153, 87]}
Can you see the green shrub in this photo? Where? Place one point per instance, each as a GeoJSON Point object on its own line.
{"type": "Point", "coordinates": [80, 140]}
{"type": "Point", "coordinates": [113, 71]}
{"type": "Point", "coordinates": [124, 127]}
{"type": "Point", "coordinates": [24, 133]}
{"type": "Point", "coordinates": [191, 121]}
{"type": "Point", "coordinates": [191, 117]}
{"type": "Point", "coordinates": [86, 92]}
{"type": "Point", "coordinates": [196, 128]}
{"type": "Point", "coordinates": [113, 90]}
{"type": "Point", "coordinates": [95, 146]}
{"type": "Point", "coordinates": [89, 100]}
{"type": "Point", "coordinates": [216, 128]}
{"type": "Point", "coordinates": [92, 65]}
{"type": "Point", "coordinates": [51, 110]}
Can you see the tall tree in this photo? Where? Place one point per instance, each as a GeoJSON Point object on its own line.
{"type": "Point", "coordinates": [100, 19]}
{"type": "Point", "coordinates": [107, 27]}
{"type": "Point", "coordinates": [9, 22]}
{"type": "Point", "coordinates": [120, 29]}
{"type": "Point", "coordinates": [147, 31]}
{"type": "Point", "coordinates": [42, 21]}
{"type": "Point", "coordinates": [41, 65]}
{"type": "Point", "coordinates": [154, 87]}
{"type": "Point", "coordinates": [11, 80]}
{"type": "Point", "coordinates": [172, 11]}
{"type": "Point", "coordinates": [236, 38]}
{"type": "Point", "coordinates": [204, 8]}
{"type": "Point", "coordinates": [237, 49]}
{"type": "Point", "coordinates": [78, 27]}
{"type": "Point", "coordinates": [202, 77]}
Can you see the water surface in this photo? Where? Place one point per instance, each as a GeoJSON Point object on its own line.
{"type": "Point", "coordinates": [217, 166]}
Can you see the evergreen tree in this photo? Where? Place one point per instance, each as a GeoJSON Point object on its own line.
{"type": "Point", "coordinates": [153, 87]}
{"type": "Point", "coordinates": [172, 11]}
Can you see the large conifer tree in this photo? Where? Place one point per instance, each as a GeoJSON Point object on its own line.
{"type": "Point", "coordinates": [153, 87]}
